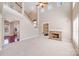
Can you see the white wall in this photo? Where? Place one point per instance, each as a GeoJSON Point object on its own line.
{"type": "Point", "coordinates": [27, 29]}
{"type": "Point", "coordinates": [75, 21]}
{"type": "Point", "coordinates": [59, 20]}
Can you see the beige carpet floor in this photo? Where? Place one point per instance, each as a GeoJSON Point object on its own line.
{"type": "Point", "coordinates": [39, 46]}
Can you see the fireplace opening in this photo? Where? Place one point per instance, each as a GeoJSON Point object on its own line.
{"type": "Point", "coordinates": [56, 35]}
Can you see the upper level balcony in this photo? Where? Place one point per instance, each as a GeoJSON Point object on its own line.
{"type": "Point", "coordinates": [15, 5]}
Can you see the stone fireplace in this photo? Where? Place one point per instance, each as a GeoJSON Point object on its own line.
{"type": "Point", "coordinates": [55, 35]}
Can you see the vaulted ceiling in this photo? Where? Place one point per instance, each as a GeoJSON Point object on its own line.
{"type": "Point", "coordinates": [30, 7]}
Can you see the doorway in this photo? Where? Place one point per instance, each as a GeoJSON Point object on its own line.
{"type": "Point", "coordinates": [11, 31]}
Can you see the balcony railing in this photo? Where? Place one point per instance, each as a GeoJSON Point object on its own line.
{"type": "Point", "coordinates": [15, 6]}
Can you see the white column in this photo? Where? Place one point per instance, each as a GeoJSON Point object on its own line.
{"type": "Point", "coordinates": [1, 31]}
{"type": "Point", "coordinates": [38, 20]}
{"type": "Point", "coordinates": [23, 8]}
{"type": "Point", "coordinates": [1, 28]}
{"type": "Point", "coordinates": [78, 31]}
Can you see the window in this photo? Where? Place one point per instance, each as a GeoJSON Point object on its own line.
{"type": "Point", "coordinates": [75, 30]}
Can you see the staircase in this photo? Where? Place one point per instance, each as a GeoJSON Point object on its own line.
{"type": "Point", "coordinates": [18, 7]}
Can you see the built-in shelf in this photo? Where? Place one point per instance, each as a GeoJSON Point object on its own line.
{"type": "Point", "coordinates": [45, 29]}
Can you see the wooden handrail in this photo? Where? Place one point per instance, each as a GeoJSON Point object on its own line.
{"type": "Point", "coordinates": [18, 4]}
